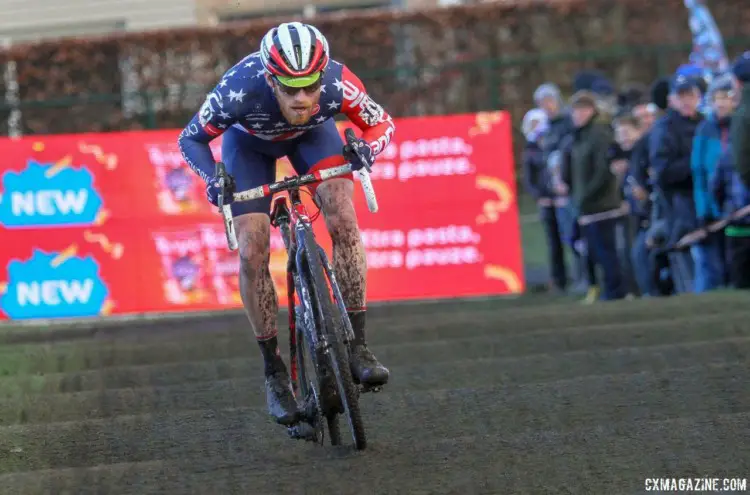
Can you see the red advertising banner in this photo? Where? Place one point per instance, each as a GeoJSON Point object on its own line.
{"type": "Point", "coordinates": [98, 224]}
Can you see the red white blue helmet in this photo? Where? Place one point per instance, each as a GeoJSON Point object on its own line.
{"type": "Point", "coordinates": [295, 53]}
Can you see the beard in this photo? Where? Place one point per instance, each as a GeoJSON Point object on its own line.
{"type": "Point", "coordinates": [294, 112]}
{"type": "Point", "coordinates": [295, 117]}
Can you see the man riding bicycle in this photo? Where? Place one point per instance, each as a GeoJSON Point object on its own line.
{"type": "Point", "coordinates": [280, 102]}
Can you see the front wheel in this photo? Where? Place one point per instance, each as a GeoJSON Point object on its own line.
{"type": "Point", "coordinates": [332, 325]}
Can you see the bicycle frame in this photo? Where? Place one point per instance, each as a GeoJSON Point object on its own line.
{"type": "Point", "coordinates": [293, 223]}
{"type": "Point", "coordinates": [314, 311]}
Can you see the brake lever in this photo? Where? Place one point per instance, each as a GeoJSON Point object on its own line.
{"type": "Point", "coordinates": [221, 193]}
{"type": "Point", "coordinates": [351, 138]}
{"type": "Point", "coordinates": [221, 173]}
{"type": "Point", "coordinates": [225, 210]}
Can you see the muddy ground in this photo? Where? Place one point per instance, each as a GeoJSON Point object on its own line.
{"type": "Point", "coordinates": [528, 396]}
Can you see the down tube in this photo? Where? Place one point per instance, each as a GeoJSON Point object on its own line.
{"type": "Point", "coordinates": [337, 295]}
{"type": "Point", "coordinates": [305, 293]}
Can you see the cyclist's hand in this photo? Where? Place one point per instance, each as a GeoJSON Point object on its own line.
{"type": "Point", "coordinates": [213, 190]}
{"type": "Point", "coordinates": [362, 158]}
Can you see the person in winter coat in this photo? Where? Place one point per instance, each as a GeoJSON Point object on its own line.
{"type": "Point", "coordinates": [629, 135]}
{"type": "Point", "coordinates": [597, 83]}
{"type": "Point", "coordinates": [732, 192]}
{"type": "Point", "coordinates": [537, 182]}
{"type": "Point", "coordinates": [548, 98]}
{"type": "Point", "coordinates": [741, 119]}
{"type": "Point", "coordinates": [711, 142]}
{"type": "Point", "coordinates": [594, 190]}
{"type": "Point", "coordinates": [671, 143]}
{"type": "Point", "coordinates": [670, 149]}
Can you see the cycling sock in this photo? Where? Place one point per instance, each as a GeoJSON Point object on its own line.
{"type": "Point", "coordinates": [357, 319]}
{"type": "Point", "coordinates": [269, 347]}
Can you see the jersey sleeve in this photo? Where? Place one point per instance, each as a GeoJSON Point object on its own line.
{"type": "Point", "coordinates": [214, 117]}
{"type": "Point", "coordinates": [377, 126]}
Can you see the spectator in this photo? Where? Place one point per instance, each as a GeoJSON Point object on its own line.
{"type": "Point", "coordinates": [594, 190]}
{"type": "Point", "coordinates": [693, 71]}
{"type": "Point", "coordinates": [710, 144]}
{"type": "Point", "coordinates": [536, 179]}
{"type": "Point", "coordinates": [610, 103]}
{"type": "Point", "coordinates": [741, 119]}
{"type": "Point", "coordinates": [670, 148]}
{"type": "Point", "coordinates": [638, 189]}
{"type": "Point", "coordinates": [597, 83]}
{"type": "Point", "coordinates": [629, 134]}
{"type": "Point", "coordinates": [548, 98]}
{"type": "Point", "coordinates": [731, 191]}
{"type": "Point", "coordinates": [657, 232]}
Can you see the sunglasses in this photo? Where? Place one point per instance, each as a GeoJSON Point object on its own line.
{"type": "Point", "coordinates": [288, 90]}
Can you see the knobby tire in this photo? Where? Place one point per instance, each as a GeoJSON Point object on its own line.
{"type": "Point", "coordinates": [307, 376]}
{"type": "Point", "coordinates": [334, 331]}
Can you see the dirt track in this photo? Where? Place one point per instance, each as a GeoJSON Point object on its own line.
{"type": "Point", "coordinates": [500, 397]}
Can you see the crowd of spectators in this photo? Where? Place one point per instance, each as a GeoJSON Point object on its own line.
{"type": "Point", "coordinates": [647, 187]}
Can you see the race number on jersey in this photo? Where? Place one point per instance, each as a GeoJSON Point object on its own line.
{"type": "Point", "coordinates": [210, 107]}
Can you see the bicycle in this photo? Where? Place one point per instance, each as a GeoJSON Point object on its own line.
{"type": "Point", "coordinates": [322, 339]}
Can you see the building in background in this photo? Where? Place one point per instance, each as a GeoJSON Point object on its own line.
{"type": "Point", "coordinates": [29, 20]}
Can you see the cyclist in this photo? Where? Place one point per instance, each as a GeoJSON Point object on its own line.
{"type": "Point", "coordinates": [281, 101]}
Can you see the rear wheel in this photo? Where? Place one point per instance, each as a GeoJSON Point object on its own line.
{"type": "Point", "coordinates": [332, 324]}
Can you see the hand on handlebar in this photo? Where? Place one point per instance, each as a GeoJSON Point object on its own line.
{"type": "Point", "coordinates": [359, 154]}
{"type": "Point", "coordinates": [214, 189]}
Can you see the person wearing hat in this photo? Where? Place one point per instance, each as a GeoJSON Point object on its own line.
{"type": "Point", "coordinates": [734, 194]}
{"type": "Point", "coordinates": [594, 189]}
{"type": "Point", "coordinates": [730, 184]}
{"type": "Point", "coordinates": [710, 143]}
{"type": "Point", "coordinates": [740, 129]}
{"type": "Point", "coordinates": [670, 148]}
{"type": "Point", "coordinates": [549, 99]}
{"type": "Point", "coordinates": [596, 82]}
{"type": "Point", "coordinates": [537, 182]}
{"type": "Point", "coordinates": [731, 192]}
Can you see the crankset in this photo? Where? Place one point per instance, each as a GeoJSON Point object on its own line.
{"type": "Point", "coordinates": [310, 428]}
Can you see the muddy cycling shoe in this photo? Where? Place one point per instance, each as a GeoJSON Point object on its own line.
{"type": "Point", "coordinates": [365, 367]}
{"type": "Point", "coordinates": [280, 399]}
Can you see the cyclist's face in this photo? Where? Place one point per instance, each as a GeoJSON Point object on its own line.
{"type": "Point", "coordinates": [296, 104]}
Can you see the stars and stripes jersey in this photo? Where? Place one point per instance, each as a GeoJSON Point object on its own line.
{"type": "Point", "coordinates": [243, 100]}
